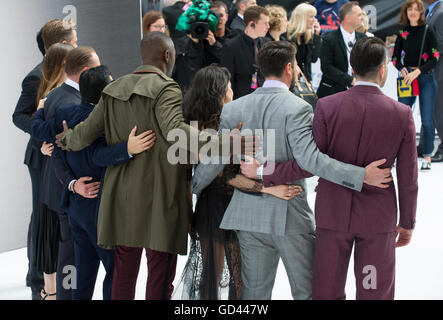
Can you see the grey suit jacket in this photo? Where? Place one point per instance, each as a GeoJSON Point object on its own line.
{"type": "Point", "coordinates": [291, 119]}
{"type": "Point", "coordinates": [435, 22]}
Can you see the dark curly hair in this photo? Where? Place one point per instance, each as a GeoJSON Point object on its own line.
{"type": "Point", "coordinates": [203, 101]}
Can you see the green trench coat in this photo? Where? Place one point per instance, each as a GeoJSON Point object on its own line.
{"type": "Point", "coordinates": [145, 202]}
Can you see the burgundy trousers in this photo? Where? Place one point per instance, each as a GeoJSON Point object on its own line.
{"type": "Point", "coordinates": [374, 265]}
{"type": "Point", "coordinates": [161, 273]}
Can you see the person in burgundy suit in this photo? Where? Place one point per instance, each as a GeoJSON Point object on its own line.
{"type": "Point", "coordinates": [359, 126]}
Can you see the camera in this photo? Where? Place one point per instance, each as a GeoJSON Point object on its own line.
{"type": "Point", "coordinates": [198, 20]}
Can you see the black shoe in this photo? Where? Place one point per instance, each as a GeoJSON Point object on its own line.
{"type": "Point", "coordinates": [438, 157]}
{"type": "Point", "coordinates": [36, 295]}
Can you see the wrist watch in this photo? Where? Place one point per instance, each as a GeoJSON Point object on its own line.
{"type": "Point", "coordinates": [260, 172]}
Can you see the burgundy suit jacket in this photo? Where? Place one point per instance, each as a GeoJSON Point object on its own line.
{"type": "Point", "coordinates": [359, 126]}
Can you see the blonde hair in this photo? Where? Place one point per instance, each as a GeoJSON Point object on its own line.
{"type": "Point", "coordinates": [297, 23]}
{"type": "Point", "coordinates": [364, 26]}
{"type": "Point", "coordinates": [277, 15]}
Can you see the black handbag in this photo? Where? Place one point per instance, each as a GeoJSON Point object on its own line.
{"type": "Point", "coordinates": [303, 89]}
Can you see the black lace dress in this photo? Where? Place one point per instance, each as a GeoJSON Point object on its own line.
{"type": "Point", "coordinates": [213, 269]}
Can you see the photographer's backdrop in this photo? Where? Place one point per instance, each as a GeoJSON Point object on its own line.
{"type": "Point", "coordinates": [113, 28]}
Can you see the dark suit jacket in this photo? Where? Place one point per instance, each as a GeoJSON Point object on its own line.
{"type": "Point", "coordinates": [182, 73]}
{"type": "Point", "coordinates": [56, 175]}
{"type": "Point", "coordinates": [435, 21]}
{"type": "Point", "coordinates": [22, 116]}
{"type": "Point", "coordinates": [334, 64]}
{"type": "Point", "coordinates": [238, 24]}
{"type": "Point", "coordinates": [238, 58]}
{"type": "Point", "coordinates": [89, 162]}
{"type": "Point", "coordinates": [358, 127]}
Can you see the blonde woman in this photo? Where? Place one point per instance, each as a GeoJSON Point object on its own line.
{"type": "Point", "coordinates": [278, 23]}
{"type": "Point", "coordinates": [304, 31]}
{"type": "Point", "coordinates": [364, 27]}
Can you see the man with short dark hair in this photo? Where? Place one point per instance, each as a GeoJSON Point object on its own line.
{"type": "Point", "coordinates": [269, 228]}
{"type": "Point", "coordinates": [336, 49]}
{"type": "Point", "coordinates": [239, 55]}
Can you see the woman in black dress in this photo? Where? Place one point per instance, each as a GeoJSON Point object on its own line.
{"type": "Point", "coordinates": [214, 259]}
{"type": "Point", "coordinates": [45, 228]}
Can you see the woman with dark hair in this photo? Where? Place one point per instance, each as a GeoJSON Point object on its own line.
{"type": "Point", "coordinates": [214, 259]}
{"type": "Point", "coordinates": [416, 64]}
{"type": "Point", "coordinates": [46, 236]}
{"type": "Point", "coordinates": [153, 21]}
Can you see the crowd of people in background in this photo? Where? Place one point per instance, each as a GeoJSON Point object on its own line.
{"type": "Point", "coordinates": [107, 190]}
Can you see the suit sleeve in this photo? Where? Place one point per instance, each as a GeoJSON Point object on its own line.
{"type": "Point", "coordinates": [316, 48]}
{"type": "Point", "coordinates": [104, 155]}
{"type": "Point", "coordinates": [309, 157]}
{"type": "Point", "coordinates": [62, 171]}
{"type": "Point", "coordinates": [407, 172]}
{"type": "Point", "coordinates": [283, 172]}
{"type": "Point", "coordinates": [26, 104]}
{"type": "Point", "coordinates": [41, 129]}
{"type": "Point", "coordinates": [438, 29]}
{"type": "Point", "coordinates": [327, 64]}
{"type": "Point", "coordinates": [86, 132]}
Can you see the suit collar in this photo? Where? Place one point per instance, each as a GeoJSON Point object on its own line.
{"type": "Point", "coordinates": [270, 90]}
{"type": "Point", "coordinates": [70, 89]}
{"type": "Point", "coordinates": [362, 89]}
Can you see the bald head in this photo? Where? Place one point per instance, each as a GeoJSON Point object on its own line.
{"type": "Point", "coordinates": [157, 50]}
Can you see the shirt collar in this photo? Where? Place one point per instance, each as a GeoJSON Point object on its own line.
{"type": "Point", "coordinates": [366, 83]}
{"type": "Point", "coordinates": [431, 7]}
{"type": "Point", "coordinates": [274, 84]}
{"type": "Point", "coordinates": [241, 16]}
{"type": "Point", "coordinates": [73, 84]}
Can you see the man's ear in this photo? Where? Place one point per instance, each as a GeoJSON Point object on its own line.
{"type": "Point", "coordinates": [167, 56]}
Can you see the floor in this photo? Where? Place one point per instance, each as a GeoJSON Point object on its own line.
{"type": "Point", "coordinates": [418, 268]}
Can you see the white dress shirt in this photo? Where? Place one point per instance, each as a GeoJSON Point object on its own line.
{"type": "Point", "coordinates": [348, 38]}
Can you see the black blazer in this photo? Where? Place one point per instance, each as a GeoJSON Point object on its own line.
{"type": "Point", "coordinates": [334, 64]}
{"type": "Point", "coordinates": [238, 24]}
{"type": "Point", "coordinates": [22, 115]}
{"type": "Point", "coordinates": [56, 175]}
{"type": "Point", "coordinates": [238, 58]}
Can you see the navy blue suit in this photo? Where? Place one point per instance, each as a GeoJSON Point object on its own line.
{"type": "Point", "coordinates": [24, 109]}
{"type": "Point", "coordinates": [91, 162]}
{"type": "Point", "coordinates": [56, 177]}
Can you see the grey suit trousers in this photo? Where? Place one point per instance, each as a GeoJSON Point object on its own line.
{"type": "Point", "coordinates": [260, 254]}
